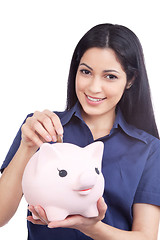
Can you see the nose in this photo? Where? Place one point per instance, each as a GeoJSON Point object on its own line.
{"type": "Point", "coordinates": [86, 180]}
{"type": "Point", "coordinates": [95, 85]}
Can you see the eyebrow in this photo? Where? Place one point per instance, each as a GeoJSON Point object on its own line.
{"type": "Point", "coordinates": [86, 66]}
{"type": "Point", "coordinates": [105, 71]}
{"type": "Point", "coordinates": [110, 70]}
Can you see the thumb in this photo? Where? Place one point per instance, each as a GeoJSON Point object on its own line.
{"type": "Point", "coordinates": [102, 208]}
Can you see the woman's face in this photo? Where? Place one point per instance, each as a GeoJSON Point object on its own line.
{"type": "Point", "coordinates": [100, 82]}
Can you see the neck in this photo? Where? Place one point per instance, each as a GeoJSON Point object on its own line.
{"type": "Point", "coordinates": [100, 125]}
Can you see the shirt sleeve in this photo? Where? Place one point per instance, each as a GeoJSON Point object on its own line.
{"type": "Point", "coordinates": [148, 190]}
{"type": "Point", "coordinates": [14, 147]}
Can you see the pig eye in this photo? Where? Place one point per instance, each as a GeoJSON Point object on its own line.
{"type": "Point", "coordinates": [97, 171]}
{"type": "Point", "coordinates": [62, 173]}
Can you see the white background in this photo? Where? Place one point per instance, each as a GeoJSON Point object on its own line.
{"type": "Point", "coordinates": [37, 39]}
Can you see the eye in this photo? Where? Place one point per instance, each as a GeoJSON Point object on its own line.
{"type": "Point", "coordinates": [97, 171]}
{"type": "Point", "coordinates": [85, 71]}
{"type": "Point", "coordinates": [62, 173]}
{"type": "Point", "coordinates": [111, 76]}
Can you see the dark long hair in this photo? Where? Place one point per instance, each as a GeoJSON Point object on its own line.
{"type": "Point", "coordinates": [135, 103]}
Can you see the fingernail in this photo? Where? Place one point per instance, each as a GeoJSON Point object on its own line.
{"type": "Point", "coordinates": [49, 226]}
{"type": "Point", "coordinates": [60, 131]}
{"type": "Point", "coordinates": [54, 138]}
{"type": "Point", "coordinates": [48, 138]}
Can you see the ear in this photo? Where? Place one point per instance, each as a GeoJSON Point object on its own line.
{"type": "Point", "coordinates": [130, 83]}
{"type": "Point", "coordinates": [96, 150]}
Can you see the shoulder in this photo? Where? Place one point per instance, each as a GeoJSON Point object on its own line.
{"type": "Point", "coordinates": [147, 138]}
{"type": "Point", "coordinates": [152, 143]}
{"type": "Point", "coordinates": [133, 132]}
{"type": "Point", "coordinates": [147, 142]}
{"type": "Point", "coordinates": [144, 136]}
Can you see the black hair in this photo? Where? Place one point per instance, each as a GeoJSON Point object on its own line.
{"type": "Point", "coordinates": [135, 104]}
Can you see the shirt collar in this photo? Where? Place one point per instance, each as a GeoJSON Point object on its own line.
{"type": "Point", "coordinates": [130, 130]}
{"type": "Point", "coordinates": [119, 122]}
{"type": "Point", "coordinates": [75, 110]}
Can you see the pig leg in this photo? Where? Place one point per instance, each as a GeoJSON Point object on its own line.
{"type": "Point", "coordinates": [92, 211]}
{"type": "Point", "coordinates": [55, 213]}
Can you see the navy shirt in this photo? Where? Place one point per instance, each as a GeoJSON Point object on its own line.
{"type": "Point", "coordinates": [131, 168]}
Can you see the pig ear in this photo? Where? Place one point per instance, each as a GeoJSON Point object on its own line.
{"type": "Point", "coordinates": [96, 149]}
{"type": "Point", "coordinates": [46, 152]}
{"type": "Point", "coordinates": [49, 152]}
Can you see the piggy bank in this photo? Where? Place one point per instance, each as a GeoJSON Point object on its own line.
{"type": "Point", "coordinates": [65, 179]}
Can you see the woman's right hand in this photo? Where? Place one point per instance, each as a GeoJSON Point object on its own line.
{"type": "Point", "coordinates": [41, 127]}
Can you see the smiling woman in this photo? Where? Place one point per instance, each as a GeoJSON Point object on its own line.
{"type": "Point", "coordinates": [108, 100]}
{"type": "Point", "coordinates": [136, 102]}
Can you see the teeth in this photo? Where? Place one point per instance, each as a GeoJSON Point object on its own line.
{"type": "Point", "coordinates": [95, 99]}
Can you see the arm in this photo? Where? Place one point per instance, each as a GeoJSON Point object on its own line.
{"type": "Point", "coordinates": [10, 184]}
{"type": "Point", "coordinates": [41, 127]}
{"type": "Point", "coordinates": [145, 223]}
{"type": "Point", "coordinates": [145, 226]}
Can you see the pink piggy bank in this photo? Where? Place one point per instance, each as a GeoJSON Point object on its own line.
{"type": "Point", "coordinates": [65, 179]}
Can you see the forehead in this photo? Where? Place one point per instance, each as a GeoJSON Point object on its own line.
{"type": "Point", "coordinates": [101, 57]}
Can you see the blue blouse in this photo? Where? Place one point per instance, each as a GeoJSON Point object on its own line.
{"type": "Point", "coordinates": [131, 168]}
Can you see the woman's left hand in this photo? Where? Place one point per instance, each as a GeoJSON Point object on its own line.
{"type": "Point", "coordinates": [78, 222]}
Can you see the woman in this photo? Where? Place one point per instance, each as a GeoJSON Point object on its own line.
{"type": "Point", "coordinates": [109, 100]}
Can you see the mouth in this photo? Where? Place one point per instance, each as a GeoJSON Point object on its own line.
{"type": "Point", "coordinates": [94, 99]}
{"type": "Point", "coordinates": [84, 191]}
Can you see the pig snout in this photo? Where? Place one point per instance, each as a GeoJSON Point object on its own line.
{"type": "Point", "coordinates": [85, 182]}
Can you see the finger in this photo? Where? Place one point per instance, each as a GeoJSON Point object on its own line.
{"type": "Point", "coordinates": [42, 214]}
{"type": "Point", "coordinates": [39, 213]}
{"type": "Point", "coordinates": [45, 119]}
{"type": "Point", "coordinates": [55, 121]}
{"type": "Point", "coordinates": [29, 135]}
{"type": "Point", "coordinates": [39, 128]}
{"type": "Point", "coordinates": [59, 138]}
{"type": "Point", "coordinates": [33, 130]}
{"type": "Point", "coordinates": [102, 208]}
{"type": "Point", "coordinates": [69, 222]}
{"type": "Point", "coordinates": [47, 130]}
{"type": "Point", "coordinates": [39, 222]}
{"type": "Point", "coordinates": [33, 211]}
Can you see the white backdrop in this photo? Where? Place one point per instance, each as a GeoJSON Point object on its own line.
{"type": "Point", "coordinates": [37, 39]}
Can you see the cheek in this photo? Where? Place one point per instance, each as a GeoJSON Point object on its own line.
{"type": "Point", "coordinates": [76, 86]}
{"type": "Point", "coordinates": [114, 91]}
{"type": "Point", "coordinates": [79, 85]}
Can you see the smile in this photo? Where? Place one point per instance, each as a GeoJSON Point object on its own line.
{"type": "Point", "coordinates": [84, 191]}
{"type": "Point", "coordinates": [95, 99]}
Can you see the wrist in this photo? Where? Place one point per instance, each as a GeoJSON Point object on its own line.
{"type": "Point", "coordinates": [95, 231]}
{"type": "Point", "coordinates": [26, 149]}
{"type": "Point", "coordinates": [21, 158]}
